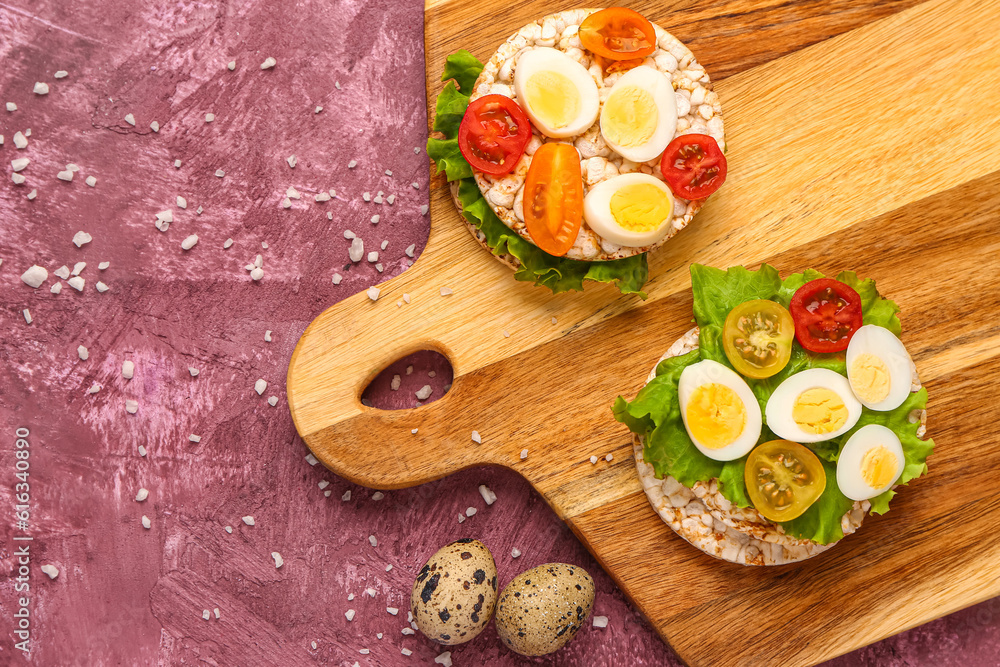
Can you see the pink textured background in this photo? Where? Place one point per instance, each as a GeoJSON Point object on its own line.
{"type": "Point", "coordinates": [129, 596]}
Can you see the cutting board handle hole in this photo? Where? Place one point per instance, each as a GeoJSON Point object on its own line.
{"type": "Point", "coordinates": [428, 368]}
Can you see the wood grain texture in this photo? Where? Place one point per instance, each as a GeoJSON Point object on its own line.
{"type": "Point", "coordinates": [876, 150]}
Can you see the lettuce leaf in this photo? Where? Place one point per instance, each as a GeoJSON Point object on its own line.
{"type": "Point", "coordinates": [556, 273]}
{"type": "Point", "coordinates": [655, 412]}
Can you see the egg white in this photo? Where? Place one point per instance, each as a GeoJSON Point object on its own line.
{"type": "Point", "coordinates": [883, 344]}
{"type": "Point", "coordinates": [778, 410]}
{"type": "Point", "coordinates": [712, 372]}
{"type": "Point", "coordinates": [597, 211]}
{"type": "Point", "coordinates": [548, 59]}
{"type": "Point", "coordinates": [849, 477]}
{"type": "Point", "coordinates": [661, 90]}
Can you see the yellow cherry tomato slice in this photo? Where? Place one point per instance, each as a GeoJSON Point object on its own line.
{"type": "Point", "coordinates": [553, 198]}
{"type": "Point", "coordinates": [757, 338]}
{"type": "Point", "coordinates": [784, 479]}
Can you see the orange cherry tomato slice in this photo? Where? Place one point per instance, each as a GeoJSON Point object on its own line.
{"type": "Point", "coordinates": [553, 198]}
{"type": "Point", "coordinates": [618, 33]}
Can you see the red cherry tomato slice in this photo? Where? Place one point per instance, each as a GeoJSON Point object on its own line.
{"type": "Point", "coordinates": [618, 33]}
{"type": "Point", "coordinates": [553, 198]}
{"type": "Point", "coordinates": [693, 166]}
{"type": "Point", "coordinates": [493, 134]}
{"type": "Point", "coordinates": [826, 313]}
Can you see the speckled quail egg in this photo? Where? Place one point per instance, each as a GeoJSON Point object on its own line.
{"type": "Point", "coordinates": [542, 609]}
{"type": "Point", "coordinates": [455, 592]}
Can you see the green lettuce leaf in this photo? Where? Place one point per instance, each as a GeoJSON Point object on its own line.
{"type": "Point", "coordinates": [556, 273]}
{"type": "Point", "coordinates": [655, 413]}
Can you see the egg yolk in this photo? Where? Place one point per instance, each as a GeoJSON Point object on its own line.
{"type": "Point", "coordinates": [640, 207]}
{"type": "Point", "coordinates": [715, 415]}
{"type": "Point", "coordinates": [819, 410]}
{"type": "Point", "coordinates": [870, 378]}
{"type": "Point", "coordinates": [553, 97]}
{"type": "Point", "coordinates": [878, 467]}
{"type": "Point", "coordinates": [629, 117]}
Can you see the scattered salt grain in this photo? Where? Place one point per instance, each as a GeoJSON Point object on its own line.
{"type": "Point", "coordinates": [600, 621]}
{"type": "Point", "coordinates": [423, 209]}
{"type": "Point", "coordinates": [199, 210]}
{"type": "Point", "coordinates": [476, 438]}
{"type": "Point", "coordinates": [142, 495]}
{"type": "Point", "coordinates": [388, 172]}
{"type": "Point", "coordinates": [444, 659]}
{"type": "Point", "coordinates": [193, 371]}
{"type": "Point", "coordinates": [349, 614]}
{"type": "Point", "coordinates": [56, 288]}
{"type": "Point", "coordinates": [257, 273]}
{"type": "Point", "coordinates": [292, 161]}
{"type": "Point", "coordinates": [218, 614]}
{"type": "Point", "coordinates": [593, 460]}
{"type": "Point", "coordinates": [142, 451]}
{"type": "Point", "coordinates": [19, 141]}
{"type": "Point", "coordinates": [35, 276]}
{"type": "Point", "coordinates": [206, 614]}
{"type": "Point", "coordinates": [323, 484]}
{"type": "Point", "coordinates": [524, 454]}
{"type": "Point", "coordinates": [228, 529]}
{"type": "Point", "coordinates": [392, 610]}
{"type": "Point", "coordinates": [352, 164]}
{"type": "Point", "coordinates": [357, 249]}
{"type": "Point", "coordinates": [94, 388]}
{"type": "Point", "coordinates": [367, 196]}
{"type": "Point", "coordinates": [394, 385]}
{"type": "Point", "coordinates": [336, 84]}
{"type": "Point", "coordinates": [194, 438]}
{"type": "Point", "coordinates": [371, 592]}
{"type": "Point", "coordinates": [373, 256]}
{"type": "Point", "coordinates": [311, 460]}
{"type": "Point", "coordinates": [11, 106]}
{"type": "Point", "coordinates": [373, 293]}
{"type": "Point", "coordinates": [346, 496]}
{"type": "Point", "coordinates": [609, 458]}
{"type": "Point", "coordinates": [154, 126]}
{"type": "Point", "coordinates": [384, 244]}
{"type": "Point", "coordinates": [19, 164]}
{"type": "Point", "coordinates": [488, 496]}
{"type": "Point", "coordinates": [470, 511]}
{"type": "Point", "coordinates": [146, 523]}
{"type": "Point", "coordinates": [268, 63]}
{"type": "Point", "coordinates": [101, 287]}
{"type": "Point", "coordinates": [378, 495]}
{"type": "Point", "coordinates": [364, 651]}
{"type": "Point", "coordinates": [165, 216]}
{"type": "Point", "coordinates": [27, 315]}
{"type": "Point", "coordinates": [391, 199]}
{"type": "Point", "coordinates": [323, 196]}
{"type": "Point", "coordinates": [181, 202]}
{"type": "Point", "coordinates": [506, 334]}
{"type": "Point", "coordinates": [130, 119]}
{"type": "Point", "coordinates": [91, 181]}
{"type": "Point", "coordinates": [209, 117]}
{"type": "Point", "coordinates": [189, 242]}
{"type": "Point", "coordinates": [41, 88]}
{"type": "Point", "coordinates": [424, 392]}
{"type": "Point", "coordinates": [220, 173]}
{"type": "Point", "coordinates": [17, 178]}
{"type": "Point", "coordinates": [388, 568]}
{"type": "Point", "coordinates": [376, 218]}
{"type": "Point", "coordinates": [406, 297]}
{"type": "Point", "coordinates": [50, 570]}
{"type": "Point", "coordinates": [409, 370]}
{"type": "Point", "coordinates": [78, 267]}
{"type": "Point", "coordinates": [259, 386]}
{"type": "Point", "coordinates": [318, 109]}
{"type": "Point", "coordinates": [177, 164]}
{"type": "Point", "coordinates": [231, 65]}
{"type": "Point", "coordinates": [372, 540]}
{"type": "Point", "coordinates": [228, 244]}
{"type": "Point", "coordinates": [337, 278]}
{"type": "Point", "coordinates": [66, 175]}
{"type": "Point", "coordinates": [286, 203]}
{"type": "Point", "coordinates": [416, 186]}
{"type": "Point", "coordinates": [407, 652]}
{"type": "Point", "coordinates": [447, 291]}
{"type": "Point", "coordinates": [407, 631]}
{"type": "Point", "coordinates": [267, 336]}
{"type": "Point", "coordinates": [278, 560]}
{"type": "Point", "coordinates": [83, 353]}
{"type": "Point", "coordinates": [314, 645]}
{"type": "Point", "coordinates": [248, 520]}
{"type": "Point", "coordinates": [61, 74]}
{"type": "Point", "coordinates": [413, 431]}
{"type": "Point", "coordinates": [131, 406]}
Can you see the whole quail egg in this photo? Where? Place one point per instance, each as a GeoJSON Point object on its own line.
{"type": "Point", "coordinates": [542, 609]}
{"type": "Point", "coordinates": [455, 592]}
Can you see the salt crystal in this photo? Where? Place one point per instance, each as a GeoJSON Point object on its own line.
{"type": "Point", "coordinates": [373, 256]}
{"type": "Point", "coordinates": [146, 523]}
{"type": "Point", "coordinates": [268, 63]}
{"type": "Point", "coordinates": [83, 353]}
{"type": "Point", "coordinates": [416, 186]}
{"type": "Point", "coordinates": [189, 242]}
{"type": "Point", "coordinates": [391, 199]}
{"type": "Point", "coordinates": [41, 88]}
{"type": "Point", "coordinates": [375, 219]}
{"type": "Point", "coordinates": [593, 460]}
{"type": "Point", "coordinates": [600, 621]}
{"type": "Point", "coordinates": [278, 560]}
{"type": "Point", "coordinates": [257, 273]}
{"type": "Point", "coordinates": [177, 164]}
{"type": "Point", "coordinates": [423, 209]}
{"type": "Point", "coordinates": [379, 267]}
{"type": "Point", "coordinates": [165, 216]}
{"type": "Point", "coordinates": [66, 175]}
{"type": "Point", "coordinates": [11, 106]}
{"type": "Point", "coordinates": [515, 553]}
{"type": "Point", "coordinates": [447, 291]}
{"type": "Point", "coordinates": [194, 438]}
{"type": "Point", "coordinates": [142, 451]}
{"type": "Point", "coordinates": [220, 173]}
{"type": "Point", "coordinates": [292, 161]}
{"type": "Point", "coordinates": [56, 288]}
{"type": "Point", "coordinates": [488, 496]}
{"type": "Point", "coordinates": [384, 244]}
{"type": "Point", "coordinates": [101, 287]}
{"type": "Point", "coordinates": [424, 392]}
{"type": "Point", "coordinates": [476, 438]}
{"type": "Point", "coordinates": [352, 164]}
{"type": "Point", "coordinates": [27, 315]}
{"type": "Point", "coordinates": [91, 181]}
{"type": "Point", "coordinates": [206, 614]}
{"type": "Point", "coordinates": [259, 386]}
{"type": "Point", "coordinates": [154, 126]}
{"type": "Point", "coordinates": [20, 141]}
{"type": "Point", "coordinates": [131, 406]}
{"type": "Point", "coordinates": [231, 65]}
{"type": "Point", "coordinates": [286, 203]}
{"type": "Point", "coordinates": [318, 109]}
{"type": "Point", "coordinates": [337, 278]}
{"type": "Point", "coordinates": [388, 172]}
{"type": "Point", "coordinates": [199, 210]}
{"type": "Point", "coordinates": [349, 235]}
{"type": "Point", "coordinates": [78, 267]}
{"type": "Point", "coordinates": [267, 336]}
{"type": "Point", "coordinates": [248, 520]}
{"type": "Point", "coordinates": [373, 540]}
{"type": "Point", "coordinates": [142, 495]}
{"type": "Point", "coordinates": [444, 659]}
{"type": "Point", "coordinates": [371, 592]}
{"type": "Point", "coordinates": [130, 119]}
{"type": "Point", "coordinates": [406, 297]}
{"type": "Point", "coordinates": [406, 652]}
{"type": "Point", "coordinates": [209, 117]}
{"type": "Point", "coordinates": [323, 196]}
{"type": "Point", "coordinates": [364, 651]}
{"type": "Point", "coordinates": [394, 385]}
{"type": "Point", "coordinates": [61, 74]}
{"type": "Point", "coordinates": [313, 644]}
{"type": "Point", "coordinates": [409, 370]}
{"type": "Point", "coordinates": [609, 458]}
{"type": "Point", "coordinates": [349, 614]}
{"type": "Point", "coordinates": [193, 371]}
{"type": "Point", "coordinates": [19, 164]}
{"type": "Point", "coordinates": [407, 631]}
{"type": "Point", "coordinates": [357, 250]}
{"type": "Point", "coordinates": [181, 202]}
{"type": "Point", "coordinates": [218, 614]}
{"type": "Point", "coordinates": [413, 431]}
{"type": "Point", "coordinates": [470, 511]}
{"type": "Point", "coordinates": [94, 388]}
{"type": "Point", "coordinates": [373, 293]}
{"type": "Point", "coordinates": [506, 334]}
{"type": "Point", "coordinates": [228, 244]}
{"type": "Point", "coordinates": [35, 276]}
{"type": "Point", "coordinates": [524, 454]}
{"type": "Point", "coordinates": [346, 496]}
{"type": "Point", "coordinates": [228, 529]}
{"type": "Point", "coordinates": [50, 570]}
{"type": "Point", "coordinates": [323, 484]}
{"type": "Point", "coordinates": [17, 178]}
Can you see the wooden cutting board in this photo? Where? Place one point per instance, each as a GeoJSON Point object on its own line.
{"type": "Point", "coordinates": [862, 135]}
